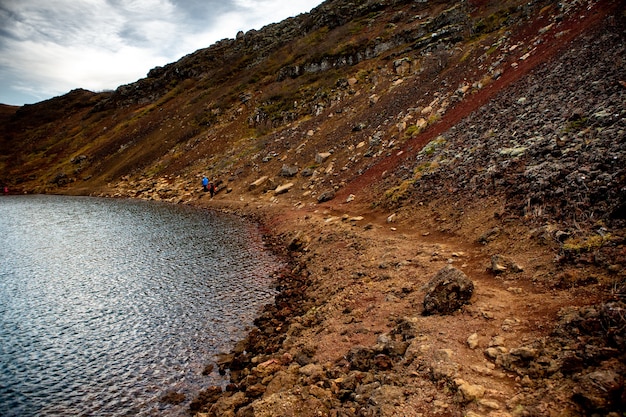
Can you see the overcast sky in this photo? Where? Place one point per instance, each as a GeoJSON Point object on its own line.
{"type": "Point", "coordinates": [49, 47]}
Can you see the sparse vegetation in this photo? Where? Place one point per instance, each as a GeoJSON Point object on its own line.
{"type": "Point", "coordinates": [422, 161]}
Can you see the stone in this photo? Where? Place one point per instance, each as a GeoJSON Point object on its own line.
{"type": "Point", "coordinates": [472, 341]}
{"type": "Point", "coordinates": [173, 398]}
{"type": "Point", "coordinates": [311, 369]}
{"type": "Point", "coordinates": [227, 403]}
{"type": "Point", "coordinates": [299, 242]}
{"type": "Point", "coordinates": [489, 404]}
{"type": "Point", "coordinates": [501, 264]}
{"type": "Point", "coordinates": [288, 171]}
{"type": "Point", "coordinates": [495, 352]}
{"type": "Point", "coordinates": [387, 394]}
{"type": "Point", "coordinates": [258, 183]}
{"type": "Point", "coordinates": [281, 189]}
{"type": "Point", "coordinates": [598, 390]}
{"type": "Point", "coordinates": [443, 355]}
{"type": "Point", "coordinates": [321, 157]}
{"type": "Point", "coordinates": [496, 341]}
{"type": "Point", "coordinates": [361, 358]}
{"type": "Point", "coordinates": [408, 328]}
{"type": "Point", "coordinates": [281, 380]}
{"type": "Point", "coordinates": [469, 392]}
{"type": "Point", "coordinates": [326, 196]}
{"type": "Point", "coordinates": [525, 353]}
{"type": "Point", "coordinates": [489, 235]}
{"type": "Point", "coordinates": [447, 291]}
{"type": "Point", "coordinates": [255, 390]}
{"type": "Point", "coordinates": [382, 362]}
{"type": "Point", "coordinates": [286, 402]}
{"type": "Point", "coordinates": [267, 368]}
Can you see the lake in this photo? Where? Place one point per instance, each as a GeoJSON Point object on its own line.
{"type": "Point", "coordinates": [108, 304]}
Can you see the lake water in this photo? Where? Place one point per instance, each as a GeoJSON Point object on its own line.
{"type": "Point", "coordinates": [106, 305]}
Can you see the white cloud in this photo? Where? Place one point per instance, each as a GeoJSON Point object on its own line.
{"type": "Point", "coordinates": [48, 48]}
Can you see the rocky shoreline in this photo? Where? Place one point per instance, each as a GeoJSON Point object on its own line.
{"type": "Point", "coordinates": [328, 347]}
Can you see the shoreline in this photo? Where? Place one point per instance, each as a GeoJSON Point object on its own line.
{"type": "Point", "coordinates": [347, 334]}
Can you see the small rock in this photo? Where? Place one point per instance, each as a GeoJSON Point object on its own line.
{"type": "Point", "coordinates": [288, 171]}
{"type": "Point", "coordinates": [496, 341]}
{"type": "Point", "coordinates": [472, 341]}
{"type": "Point", "coordinates": [489, 404]}
{"type": "Point", "coordinates": [489, 235]}
{"type": "Point", "coordinates": [321, 157]}
{"type": "Point", "coordinates": [258, 182]}
{"type": "Point", "coordinates": [281, 189]}
{"type": "Point", "coordinates": [500, 264]}
{"type": "Point", "coordinates": [470, 392]}
{"type": "Point", "coordinates": [255, 390]}
{"type": "Point", "coordinates": [173, 398]}
{"type": "Point", "coordinates": [525, 353]}
{"type": "Point", "coordinates": [311, 369]}
{"type": "Point", "coordinates": [495, 352]}
{"type": "Point", "coordinates": [326, 196]}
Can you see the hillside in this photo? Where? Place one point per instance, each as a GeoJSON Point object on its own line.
{"type": "Point", "coordinates": [381, 143]}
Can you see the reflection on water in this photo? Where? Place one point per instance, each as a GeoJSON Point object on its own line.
{"type": "Point", "coordinates": [105, 305]}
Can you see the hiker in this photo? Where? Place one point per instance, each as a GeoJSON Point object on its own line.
{"type": "Point", "coordinates": [205, 184]}
{"type": "Point", "coordinates": [6, 190]}
{"type": "Point", "coordinates": [212, 188]}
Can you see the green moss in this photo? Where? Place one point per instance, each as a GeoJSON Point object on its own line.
{"type": "Point", "coordinates": [412, 131]}
{"type": "Point", "coordinates": [576, 125]}
{"type": "Point", "coordinates": [585, 244]}
{"type": "Point", "coordinates": [433, 145]}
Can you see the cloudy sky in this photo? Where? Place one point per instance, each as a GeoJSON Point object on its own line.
{"type": "Point", "coordinates": [49, 47]}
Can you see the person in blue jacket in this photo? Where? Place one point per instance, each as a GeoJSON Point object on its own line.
{"type": "Point", "coordinates": [205, 184]}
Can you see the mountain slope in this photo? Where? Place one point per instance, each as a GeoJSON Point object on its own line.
{"type": "Point", "coordinates": [383, 141]}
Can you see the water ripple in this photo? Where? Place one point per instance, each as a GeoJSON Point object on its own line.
{"type": "Point", "coordinates": [107, 304]}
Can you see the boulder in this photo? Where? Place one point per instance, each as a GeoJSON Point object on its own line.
{"type": "Point", "coordinates": [449, 289]}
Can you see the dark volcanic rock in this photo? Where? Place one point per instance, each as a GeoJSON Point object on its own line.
{"type": "Point", "coordinates": [447, 292]}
